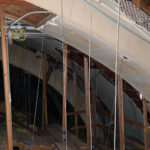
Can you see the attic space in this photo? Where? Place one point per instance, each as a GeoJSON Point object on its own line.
{"type": "Point", "coordinates": [74, 75]}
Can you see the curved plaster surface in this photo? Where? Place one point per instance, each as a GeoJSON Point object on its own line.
{"type": "Point", "coordinates": [134, 41]}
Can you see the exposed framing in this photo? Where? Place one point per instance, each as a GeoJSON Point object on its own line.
{"type": "Point", "coordinates": [7, 91]}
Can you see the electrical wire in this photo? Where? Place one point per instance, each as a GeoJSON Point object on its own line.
{"type": "Point", "coordinates": [38, 86]}
{"type": "Point", "coordinates": [29, 97]}
{"type": "Point", "coordinates": [90, 34]}
{"type": "Point", "coordinates": [30, 13]}
{"type": "Point", "coordinates": [109, 128]}
{"type": "Point", "coordinates": [116, 74]}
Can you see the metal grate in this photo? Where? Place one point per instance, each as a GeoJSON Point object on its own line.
{"type": "Point", "coordinates": [135, 14]}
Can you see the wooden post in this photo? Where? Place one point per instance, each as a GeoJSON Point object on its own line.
{"type": "Point", "coordinates": [44, 105]}
{"type": "Point", "coordinates": [87, 102]}
{"type": "Point", "coordinates": [64, 109]}
{"type": "Point", "coordinates": [6, 82]}
{"type": "Point", "coordinates": [145, 123]}
{"type": "Point", "coordinates": [94, 115]}
{"type": "Point", "coordinates": [121, 114]}
{"type": "Point", "coordinates": [75, 102]}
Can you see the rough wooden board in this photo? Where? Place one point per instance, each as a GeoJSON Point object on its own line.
{"type": "Point", "coordinates": [73, 141]}
{"type": "Point", "coordinates": [25, 137]}
{"type": "Point", "coordinates": [15, 12]}
{"type": "Point", "coordinates": [20, 136]}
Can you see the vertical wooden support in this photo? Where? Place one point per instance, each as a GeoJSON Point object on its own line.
{"type": "Point", "coordinates": [145, 123]}
{"type": "Point", "coordinates": [88, 129]}
{"type": "Point", "coordinates": [94, 115]}
{"type": "Point", "coordinates": [121, 114]}
{"type": "Point", "coordinates": [6, 82]}
{"type": "Point", "coordinates": [44, 105]}
{"type": "Point", "coordinates": [75, 102]}
{"type": "Point", "coordinates": [64, 109]}
{"type": "Point", "coordinates": [137, 3]}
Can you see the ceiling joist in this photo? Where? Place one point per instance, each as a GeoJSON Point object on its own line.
{"type": "Point", "coordinates": [15, 2]}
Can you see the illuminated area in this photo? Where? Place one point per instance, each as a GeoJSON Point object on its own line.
{"type": "Point", "coordinates": [74, 75]}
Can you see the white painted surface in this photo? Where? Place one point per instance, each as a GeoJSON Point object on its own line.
{"type": "Point", "coordinates": [76, 26]}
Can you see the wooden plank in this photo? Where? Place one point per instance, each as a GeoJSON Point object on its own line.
{"type": "Point", "coordinates": [31, 147]}
{"type": "Point", "coordinates": [7, 91]}
{"type": "Point", "coordinates": [75, 102]}
{"type": "Point", "coordinates": [137, 3]}
{"type": "Point", "coordinates": [88, 129]}
{"type": "Point", "coordinates": [15, 2]}
{"type": "Point", "coordinates": [10, 15]}
{"type": "Point", "coordinates": [145, 123]}
{"type": "Point", "coordinates": [44, 102]}
{"type": "Point", "coordinates": [77, 112]}
{"type": "Point", "coordinates": [64, 109]}
{"type": "Point", "coordinates": [94, 115]}
{"type": "Point", "coordinates": [79, 127]}
{"type": "Point", "coordinates": [121, 114]}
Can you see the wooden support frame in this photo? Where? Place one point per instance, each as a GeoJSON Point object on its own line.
{"type": "Point", "coordinates": [127, 121]}
{"type": "Point", "coordinates": [145, 123]}
{"type": "Point", "coordinates": [6, 81]}
{"type": "Point", "coordinates": [112, 132]}
{"type": "Point", "coordinates": [87, 103]}
{"type": "Point", "coordinates": [121, 114]}
{"type": "Point", "coordinates": [127, 139]}
{"type": "Point", "coordinates": [109, 115]}
{"type": "Point", "coordinates": [75, 102]}
{"type": "Point", "coordinates": [64, 109]}
{"type": "Point", "coordinates": [44, 102]}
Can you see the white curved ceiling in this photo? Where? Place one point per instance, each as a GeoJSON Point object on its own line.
{"type": "Point", "coordinates": [134, 41]}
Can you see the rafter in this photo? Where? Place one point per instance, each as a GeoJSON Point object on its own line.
{"type": "Point", "coordinates": [15, 2]}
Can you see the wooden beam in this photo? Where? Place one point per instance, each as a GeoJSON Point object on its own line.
{"type": "Point", "coordinates": [64, 109]}
{"type": "Point", "coordinates": [145, 123]}
{"type": "Point", "coordinates": [75, 102]}
{"type": "Point", "coordinates": [109, 115]}
{"type": "Point", "coordinates": [94, 115]}
{"type": "Point", "coordinates": [15, 2]}
{"type": "Point", "coordinates": [44, 104]}
{"type": "Point", "coordinates": [87, 102]}
{"type": "Point", "coordinates": [7, 91]}
{"type": "Point", "coordinates": [79, 127]}
{"type": "Point", "coordinates": [22, 146]}
{"type": "Point", "coordinates": [121, 114]}
{"type": "Point", "coordinates": [137, 3]}
{"type": "Point", "coordinates": [77, 112]}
